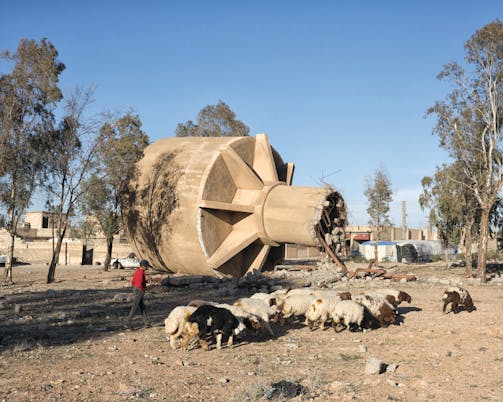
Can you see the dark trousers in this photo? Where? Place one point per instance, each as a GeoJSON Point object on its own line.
{"type": "Point", "coordinates": [138, 303]}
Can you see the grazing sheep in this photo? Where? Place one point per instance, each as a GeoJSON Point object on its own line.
{"type": "Point", "coordinates": [321, 309]}
{"type": "Point", "coordinates": [380, 309]}
{"type": "Point", "coordinates": [249, 320]}
{"type": "Point", "coordinates": [350, 314]}
{"type": "Point", "coordinates": [258, 308]}
{"type": "Point", "coordinates": [198, 302]}
{"type": "Point", "coordinates": [457, 296]}
{"type": "Point", "coordinates": [268, 298]}
{"type": "Point", "coordinates": [208, 319]}
{"type": "Point", "coordinates": [175, 322]}
{"type": "Point", "coordinates": [296, 305]}
{"type": "Point", "coordinates": [399, 295]}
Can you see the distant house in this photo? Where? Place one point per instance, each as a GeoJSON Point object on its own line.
{"type": "Point", "coordinates": [38, 225]}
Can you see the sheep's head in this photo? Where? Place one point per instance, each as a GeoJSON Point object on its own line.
{"type": "Point", "coordinates": [251, 323]}
{"type": "Point", "coordinates": [190, 332]}
{"type": "Point", "coordinates": [402, 296]}
{"type": "Point", "coordinates": [345, 295]}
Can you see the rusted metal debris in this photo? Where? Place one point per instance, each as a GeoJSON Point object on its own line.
{"type": "Point", "coordinates": [332, 255]}
{"type": "Point", "coordinates": [380, 273]}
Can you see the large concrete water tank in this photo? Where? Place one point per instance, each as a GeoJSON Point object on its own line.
{"type": "Point", "coordinates": [223, 205]}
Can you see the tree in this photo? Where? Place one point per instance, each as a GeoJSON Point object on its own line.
{"type": "Point", "coordinates": [71, 161]}
{"type": "Point", "coordinates": [379, 196]}
{"type": "Point", "coordinates": [120, 146]}
{"type": "Point", "coordinates": [453, 209]}
{"type": "Point", "coordinates": [214, 121]}
{"type": "Point", "coordinates": [28, 97]}
{"type": "Point", "coordinates": [469, 122]}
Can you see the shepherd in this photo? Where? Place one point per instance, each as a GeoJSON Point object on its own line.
{"type": "Point", "coordinates": [139, 283]}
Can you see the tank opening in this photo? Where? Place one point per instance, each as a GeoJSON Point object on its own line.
{"type": "Point", "coordinates": [330, 229]}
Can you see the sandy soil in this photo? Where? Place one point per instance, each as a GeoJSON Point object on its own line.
{"type": "Point", "coordinates": [65, 342]}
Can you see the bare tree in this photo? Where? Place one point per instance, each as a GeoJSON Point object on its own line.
{"type": "Point", "coordinates": [28, 96]}
{"type": "Point", "coordinates": [379, 196]}
{"type": "Point", "coordinates": [73, 150]}
{"type": "Point", "coordinates": [469, 122]}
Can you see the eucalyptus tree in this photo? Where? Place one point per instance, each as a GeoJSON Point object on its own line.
{"type": "Point", "coordinates": [469, 122]}
{"type": "Point", "coordinates": [120, 146]}
{"type": "Point", "coordinates": [214, 121]}
{"type": "Point", "coordinates": [28, 96]}
{"type": "Point", "coordinates": [379, 196]}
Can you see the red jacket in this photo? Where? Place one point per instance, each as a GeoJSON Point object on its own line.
{"type": "Point", "coordinates": [139, 280]}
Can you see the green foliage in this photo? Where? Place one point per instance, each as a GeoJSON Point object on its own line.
{"type": "Point", "coordinates": [451, 203]}
{"type": "Point", "coordinates": [379, 196]}
{"type": "Point", "coordinates": [28, 97]}
{"type": "Point", "coordinates": [120, 146]}
{"type": "Point", "coordinates": [214, 121]}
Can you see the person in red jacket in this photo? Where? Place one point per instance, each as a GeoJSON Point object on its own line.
{"type": "Point", "coordinates": [139, 283]}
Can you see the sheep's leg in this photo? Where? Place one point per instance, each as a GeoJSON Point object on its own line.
{"type": "Point", "coordinates": [219, 341]}
{"type": "Point", "coordinates": [230, 341]}
{"type": "Point", "coordinates": [204, 345]}
{"type": "Point", "coordinates": [445, 307]}
{"type": "Point", "coordinates": [267, 326]}
{"type": "Point", "coordinates": [172, 341]}
{"type": "Point", "coordinates": [324, 319]}
{"type": "Point", "coordinates": [454, 307]}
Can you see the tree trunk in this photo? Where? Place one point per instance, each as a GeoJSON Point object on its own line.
{"type": "Point", "coordinates": [10, 259]}
{"type": "Point", "coordinates": [376, 255]}
{"type": "Point", "coordinates": [55, 257]}
{"type": "Point", "coordinates": [468, 248]}
{"type": "Point", "coordinates": [108, 257]}
{"type": "Point", "coordinates": [484, 235]}
{"type": "Point", "coordinates": [10, 250]}
{"type": "Point", "coordinates": [446, 256]}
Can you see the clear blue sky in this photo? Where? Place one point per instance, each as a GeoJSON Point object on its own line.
{"type": "Point", "coordinates": [340, 87]}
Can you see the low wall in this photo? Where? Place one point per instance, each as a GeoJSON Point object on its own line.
{"type": "Point", "coordinates": [40, 252]}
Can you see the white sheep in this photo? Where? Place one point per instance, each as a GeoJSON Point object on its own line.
{"type": "Point", "coordinates": [379, 307]}
{"type": "Point", "coordinates": [258, 308]}
{"type": "Point", "coordinates": [296, 305]}
{"type": "Point", "coordinates": [350, 314]}
{"type": "Point", "coordinates": [321, 308]}
{"type": "Point", "coordinates": [399, 295]}
{"type": "Point", "coordinates": [268, 298]}
{"type": "Point", "coordinates": [281, 294]}
{"type": "Point", "coordinates": [175, 322]}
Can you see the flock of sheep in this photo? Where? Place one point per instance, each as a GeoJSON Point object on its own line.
{"type": "Point", "coordinates": [370, 310]}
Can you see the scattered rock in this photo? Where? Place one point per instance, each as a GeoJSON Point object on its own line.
{"type": "Point", "coordinates": [374, 366]}
{"type": "Point", "coordinates": [391, 368]}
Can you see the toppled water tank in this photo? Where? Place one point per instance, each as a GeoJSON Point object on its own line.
{"type": "Point", "coordinates": [223, 205]}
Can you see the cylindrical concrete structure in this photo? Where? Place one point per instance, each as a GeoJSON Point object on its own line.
{"type": "Point", "coordinates": [217, 206]}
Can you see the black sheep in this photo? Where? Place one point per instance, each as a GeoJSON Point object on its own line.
{"type": "Point", "coordinates": [208, 319]}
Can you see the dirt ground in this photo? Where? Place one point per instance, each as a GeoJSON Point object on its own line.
{"type": "Point", "coordinates": [66, 342]}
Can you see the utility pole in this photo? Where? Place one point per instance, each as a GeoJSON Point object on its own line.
{"type": "Point", "coordinates": [404, 220]}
